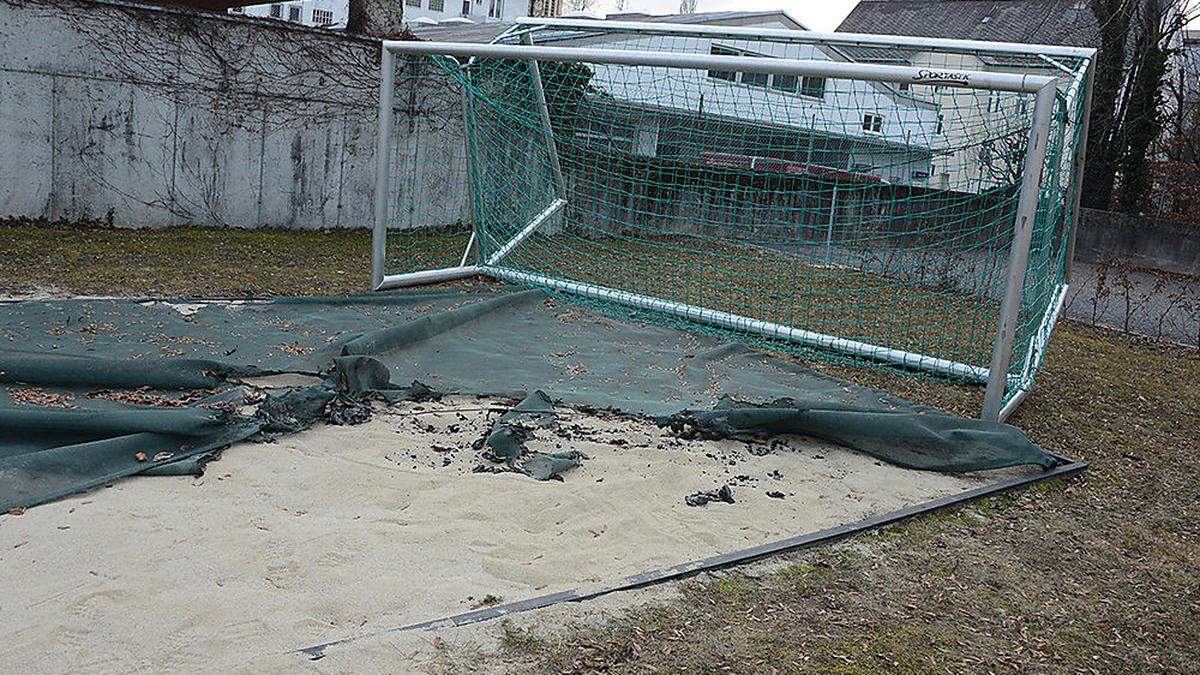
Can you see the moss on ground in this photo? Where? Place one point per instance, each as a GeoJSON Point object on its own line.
{"type": "Point", "coordinates": [1098, 573]}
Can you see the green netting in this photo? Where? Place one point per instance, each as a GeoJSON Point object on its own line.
{"type": "Point", "coordinates": [876, 213]}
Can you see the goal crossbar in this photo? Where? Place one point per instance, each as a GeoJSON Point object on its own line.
{"type": "Point", "coordinates": [946, 77]}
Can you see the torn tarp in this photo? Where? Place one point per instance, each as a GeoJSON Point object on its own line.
{"type": "Point", "coordinates": [88, 386]}
{"type": "Point", "coordinates": [911, 438]}
{"type": "Point", "coordinates": [505, 443]}
{"type": "Point", "coordinates": [724, 495]}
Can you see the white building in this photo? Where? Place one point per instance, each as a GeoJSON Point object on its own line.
{"type": "Point", "coordinates": [983, 133]}
{"type": "Point", "coordinates": [320, 13]}
{"type": "Point", "coordinates": [810, 124]}
{"type": "Point", "coordinates": [333, 13]}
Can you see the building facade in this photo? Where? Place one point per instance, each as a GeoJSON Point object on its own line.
{"type": "Point", "coordinates": [333, 13]}
{"type": "Point", "coordinates": [871, 130]}
{"type": "Point", "coordinates": [813, 124]}
{"type": "Point", "coordinates": [319, 13]}
{"type": "Point", "coordinates": [981, 141]}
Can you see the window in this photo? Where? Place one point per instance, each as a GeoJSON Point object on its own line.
{"type": "Point", "coordinates": [805, 86]}
{"type": "Point", "coordinates": [294, 13]}
{"type": "Point", "coordinates": [322, 17]}
{"type": "Point", "coordinates": [920, 176]}
{"type": "Point", "coordinates": [413, 3]}
{"type": "Point", "coordinates": [237, 10]}
{"type": "Point", "coordinates": [872, 123]}
{"type": "Point", "coordinates": [905, 86]}
{"type": "Point", "coordinates": [723, 74]}
{"type": "Point", "coordinates": [466, 8]}
{"type": "Point", "coordinates": [789, 83]}
{"type": "Point", "coordinates": [941, 125]}
{"type": "Point", "coordinates": [437, 5]}
{"type": "Point", "coordinates": [276, 11]}
{"type": "Point", "coordinates": [496, 9]}
{"type": "Point", "coordinates": [813, 86]}
{"type": "Point", "coordinates": [755, 79]}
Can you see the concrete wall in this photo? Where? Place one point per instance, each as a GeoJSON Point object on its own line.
{"type": "Point", "coordinates": [154, 117]}
{"type": "Point", "coordinates": [1143, 242]}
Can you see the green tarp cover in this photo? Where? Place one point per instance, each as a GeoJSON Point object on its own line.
{"type": "Point", "coordinates": [94, 390]}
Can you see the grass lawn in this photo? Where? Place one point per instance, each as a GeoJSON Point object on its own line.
{"type": "Point", "coordinates": [183, 261]}
{"type": "Point", "coordinates": [1099, 573]}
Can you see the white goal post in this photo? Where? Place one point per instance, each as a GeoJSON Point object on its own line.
{"type": "Point", "coordinates": [1001, 396]}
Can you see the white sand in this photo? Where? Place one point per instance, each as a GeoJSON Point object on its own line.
{"type": "Point", "coordinates": [342, 531]}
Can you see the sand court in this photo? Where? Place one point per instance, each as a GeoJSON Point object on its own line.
{"type": "Point", "coordinates": [348, 530]}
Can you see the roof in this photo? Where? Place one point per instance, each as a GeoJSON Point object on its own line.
{"type": "Point", "coordinates": [1048, 22]}
{"type": "Point", "coordinates": [485, 32]}
{"type": "Point", "coordinates": [480, 32]}
{"type": "Point", "coordinates": [713, 18]}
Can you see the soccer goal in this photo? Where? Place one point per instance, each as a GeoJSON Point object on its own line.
{"type": "Point", "coordinates": [903, 201]}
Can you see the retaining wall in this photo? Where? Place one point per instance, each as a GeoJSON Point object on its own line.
{"type": "Point", "coordinates": [1144, 242]}
{"type": "Point", "coordinates": [146, 116]}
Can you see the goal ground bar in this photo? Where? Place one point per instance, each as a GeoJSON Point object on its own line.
{"type": "Point", "coordinates": [427, 277]}
{"type": "Point", "coordinates": [729, 320]}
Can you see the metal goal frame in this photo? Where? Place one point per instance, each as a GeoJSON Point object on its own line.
{"type": "Point", "coordinates": [998, 404]}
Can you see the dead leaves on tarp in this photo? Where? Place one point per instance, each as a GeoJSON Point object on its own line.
{"type": "Point", "coordinates": [294, 349]}
{"type": "Point", "coordinates": [40, 397]}
{"type": "Point", "coordinates": [142, 396]}
{"type": "Point", "coordinates": [147, 396]}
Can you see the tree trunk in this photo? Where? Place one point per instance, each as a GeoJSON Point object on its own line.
{"type": "Point", "coordinates": [1142, 121]}
{"type": "Point", "coordinates": [381, 18]}
{"type": "Point", "coordinates": [1113, 17]}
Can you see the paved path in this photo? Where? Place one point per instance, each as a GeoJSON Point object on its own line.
{"type": "Point", "coordinates": [1150, 303]}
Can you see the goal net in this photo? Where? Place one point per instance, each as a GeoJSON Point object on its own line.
{"type": "Point", "coordinates": [898, 201]}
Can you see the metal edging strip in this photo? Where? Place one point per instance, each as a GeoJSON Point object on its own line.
{"type": "Point", "coordinates": [676, 572]}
